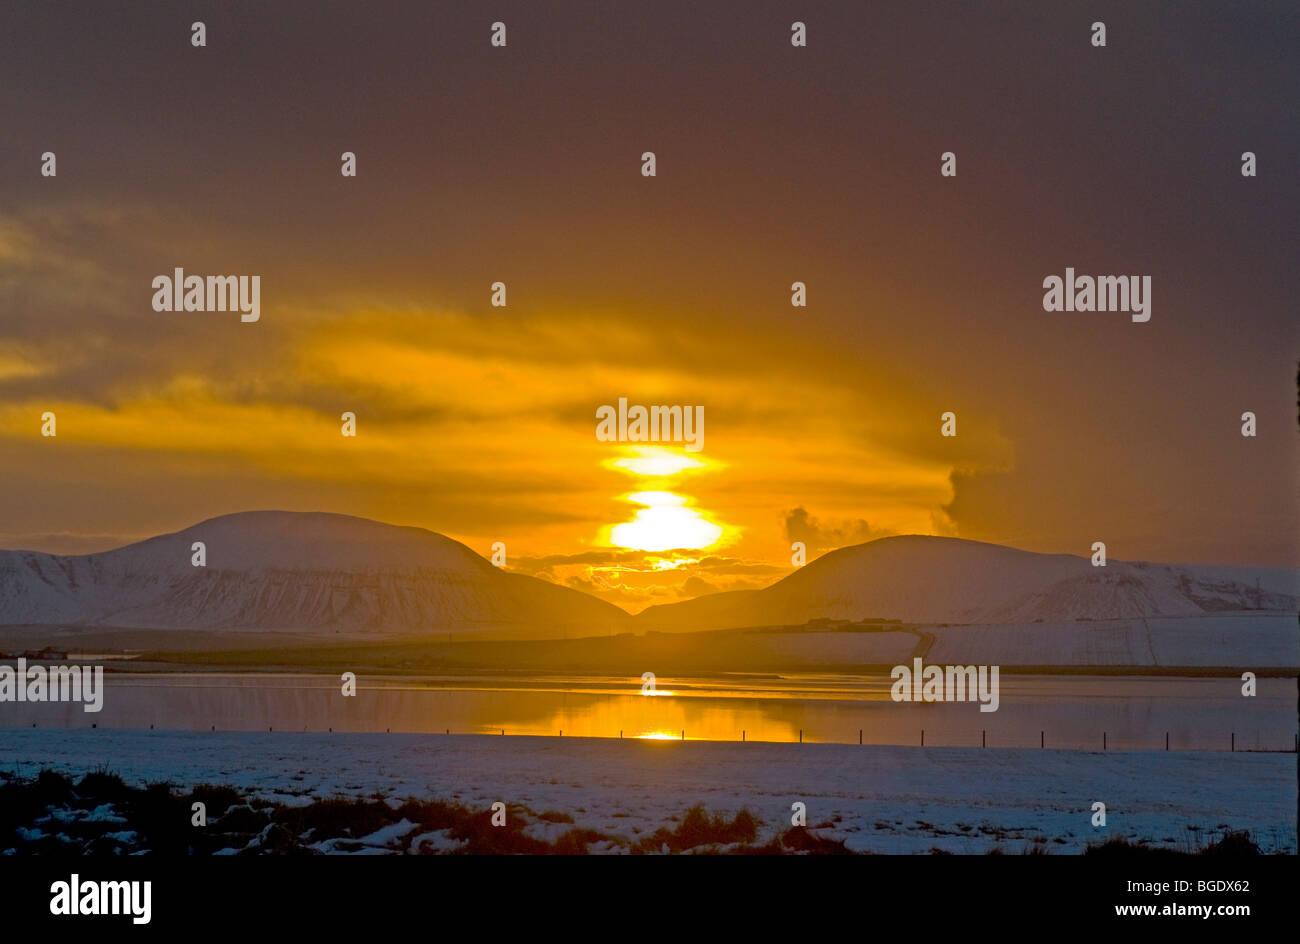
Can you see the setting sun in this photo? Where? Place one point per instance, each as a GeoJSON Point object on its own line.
{"type": "Point", "coordinates": [663, 523]}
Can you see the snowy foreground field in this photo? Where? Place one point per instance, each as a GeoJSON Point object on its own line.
{"type": "Point", "coordinates": [877, 799]}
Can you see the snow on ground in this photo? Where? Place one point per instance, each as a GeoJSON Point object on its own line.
{"type": "Point", "coordinates": [877, 798]}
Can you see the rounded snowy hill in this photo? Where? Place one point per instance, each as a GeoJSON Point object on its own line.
{"type": "Point", "coordinates": [927, 579]}
{"type": "Point", "coordinates": [294, 571]}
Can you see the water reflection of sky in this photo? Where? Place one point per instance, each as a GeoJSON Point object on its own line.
{"type": "Point", "coordinates": [1064, 712]}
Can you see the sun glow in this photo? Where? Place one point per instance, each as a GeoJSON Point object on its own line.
{"type": "Point", "coordinates": [664, 523]}
{"type": "Point", "coordinates": [665, 563]}
{"type": "Point", "coordinates": [655, 462]}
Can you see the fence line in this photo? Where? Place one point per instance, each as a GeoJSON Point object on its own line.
{"type": "Point", "coordinates": [1220, 742]}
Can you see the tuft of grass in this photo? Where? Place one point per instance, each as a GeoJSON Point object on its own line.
{"type": "Point", "coordinates": [576, 841]}
{"type": "Point", "coordinates": [697, 828]}
{"type": "Point", "coordinates": [104, 786]}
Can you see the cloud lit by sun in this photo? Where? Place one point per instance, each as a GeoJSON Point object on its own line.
{"type": "Point", "coordinates": [655, 462]}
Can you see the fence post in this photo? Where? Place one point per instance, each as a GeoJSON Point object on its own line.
{"type": "Point", "coordinates": [1166, 740]}
{"type": "Point", "coordinates": [1103, 740]}
{"type": "Point", "coordinates": [1042, 738]}
{"type": "Point", "coordinates": [984, 739]}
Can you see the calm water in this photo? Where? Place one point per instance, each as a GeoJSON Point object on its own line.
{"type": "Point", "coordinates": [1072, 712]}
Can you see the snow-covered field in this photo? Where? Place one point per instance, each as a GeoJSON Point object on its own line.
{"type": "Point", "coordinates": [881, 799]}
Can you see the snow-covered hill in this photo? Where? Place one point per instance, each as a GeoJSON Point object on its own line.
{"type": "Point", "coordinates": [280, 570]}
{"type": "Point", "coordinates": [335, 574]}
{"type": "Point", "coordinates": [950, 580]}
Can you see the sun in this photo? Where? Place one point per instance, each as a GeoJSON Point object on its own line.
{"type": "Point", "coordinates": [664, 522]}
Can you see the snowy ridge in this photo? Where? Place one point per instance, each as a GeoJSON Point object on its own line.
{"type": "Point", "coordinates": [949, 580]}
{"type": "Point", "coordinates": [275, 570]}
{"type": "Point", "coordinates": [286, 570]}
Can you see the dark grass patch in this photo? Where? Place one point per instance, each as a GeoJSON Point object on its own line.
{"type": "Point", "coordinates": [161, 818]}
{"type": "Point", "coordinates": [216, 799]}
{"type": "Point", "coordinates": [158, 820]}
{"type": "Point", "coordinates": [52, 786]}
{"type": "Point", "coordinates": [102, 786]}
{"type": "Point", "coordinates": [697, 828]}
{"type": "Point", "coordinates": [22, 801]}
{"type": "Point", "coordinates": [241, 819]}
{"type": "Point", "coordinates": [1230, 845]}
{"type": "Point", "coordinates": [432, 815]}
{"type": "Point", "coordinates": [798, 839]}
{"type": "Point", "coordinates": [772, 847]}
{"type": "Point", "coordinates": [576, 841]}
{"type": "Point", "coordinates": [336, 818]}
{"type": "Point", "coordinates": [480, 837]}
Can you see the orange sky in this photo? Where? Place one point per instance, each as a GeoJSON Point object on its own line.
{"type": "Point", "coordinates": [821, 424]}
